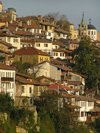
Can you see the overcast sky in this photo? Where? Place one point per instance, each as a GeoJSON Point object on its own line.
{"type": "Point", "coordinates": [72, 8]}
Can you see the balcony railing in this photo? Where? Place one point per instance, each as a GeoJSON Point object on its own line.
{"type": "Point", "coordinates": [7, 79]}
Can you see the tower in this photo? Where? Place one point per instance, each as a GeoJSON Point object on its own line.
{"type": "Point", "coordinates": [82, 28]}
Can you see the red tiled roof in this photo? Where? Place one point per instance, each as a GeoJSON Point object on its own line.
{"type": "Point", "coordinates": [30, 51]}
{"type": "Point", "coordinates": [57, 86]}
{"type": "Point", "coordinates": [7, 35]}
{"type": "Point", "coordinates": [32, 26]}
{"type": "Point", "coordinates": [43, 40]}
{"type": "Point", "coordinates": [23, 33]}
{"type": "Point", "coordinates": [74, 42]}
{"type": "Point", "coordinates": [62, 31]}
{"type": "Point", "coordinates": [28, 41]}
{"type": "Point", "coordinates": [62, 50]}
{"type": "Point", "coordinates": [6, 43]}
{"type": "Point", "coordinates": [65, 68]}
{"type": "Point", "coordinates": [58, 43]}
{"type": "Point", "coordinates": [3, 66]}
{"type": "Point", "coordinates": [68, 95]}
{"type": "Point", "coordinates": [26, 81]}
{"type": "Point", "coordinates": [74, 83]}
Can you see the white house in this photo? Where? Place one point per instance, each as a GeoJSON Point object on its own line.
{"type": "Point", "coordinates": [12, 39]}
{"type": "Point", "coordinates": [7, 80]}
{"type": "Point", "coordinates": [87, 106]}
{"type": "Point", "coordinates": [44, 45]}
{"type": "Point", "coordinates": [47, 69]}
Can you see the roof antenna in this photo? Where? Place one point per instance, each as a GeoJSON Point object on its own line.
{"type": "Point", "coordinates": [90, 21]}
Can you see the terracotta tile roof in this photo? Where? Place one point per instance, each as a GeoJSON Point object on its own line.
{"type": "Point", "coordinates": [7, 35]}
{"type": "Point", "coordinates": [7, 44]}
{"type": "Point", "coordinates": [90, 90]}
{"type": "Point", "coordinates": [43, 40]}
{"type": "Point", "coordinates": [28, 41]}
{"type": "Point", "coordinates": [80, 74]}
{"type": "Point", "coordinates": [30, 51]}
{"type": "Point", "coordinates": [58, 43]}
{"type": "Point", "coordinates": [3, 51]}
{"type": "Point", "coordinates": [41, 77]}
{"type": "Point", "coordinates": [96, 109]}
{"type": "Point", "coordinates": [41, 23]}
{"type": "Point", "coordinates": [57, 62]}
{"type": "Point", "coordinates": [69, 95]}
{"type": "Point", "coordinates": [21, 32]}
{"type": "Point", "coordinates": [74, 83]}
{"type": "Point", "coordinates": [62, 50]}
{"type": "Point", "coordinates": [74, 42]}
{"type": "Point", "coordinates": [26, 81]}
{"type": "Point", "coordinates": [73, 106]}
{"type": "Point", "coordinates": [61, 31]}
{"type": "Point", "coordinates": [64, 68]}
{"type": "Point", "coordinates": [5, 67]}
{"type": "Point", "coordinates": [84, 98]}
{"type": "Point", "coordinates": [32, 26]}
{"type": "Point", "coordinates": [57, 86]}
{"type": "Point", "coordinates": [38, 34]}
{"type": "Point", "coordinates": [4, 20]}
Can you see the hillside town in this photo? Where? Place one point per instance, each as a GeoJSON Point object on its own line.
{"type": "Point", "coordinates": [44, 50]}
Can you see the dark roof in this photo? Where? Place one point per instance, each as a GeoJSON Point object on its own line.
{"type": "Point", "coordinates": [30, 51]}
{"type": "Point", "coordinates": [90, 26]}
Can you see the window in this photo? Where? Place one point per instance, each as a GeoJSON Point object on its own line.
{"type": "Point", "coordinates": [37, 30]}
{"type": "Point", "coordinates": [58, 34]}
{"type": "Point", "coordinates": [82, 104]}
{"type": "Point", "coordinates": [30, 90]}
{"type": "Point", "coordinates": [38, 45]}
{"type": "Point", "coordinates": [56, 54]}
{"type": "Point", "coordinates": [23, 89]}
{"type": "Point", "coordinates": [31, 101]}
{"type": "Point", "coordinates": [15, 40]}
{"type": "Point", "coordinates": [8, 39]}
{"type": "Point", "coordinates": [49, 34]}
{"type": "Point", "coordinates": [34, 30]}
{"type": "Point", "coordinates": [41, 59]}
{"type": "Point", "coordinates": [82, 114]}
{"type": "Point", "coordinates": [90, 103]}
{"type": "Point", "coordinates": [45, 45]}
{"type": "Point", "coordinates": [50, 27]}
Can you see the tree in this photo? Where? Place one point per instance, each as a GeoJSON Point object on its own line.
{"type": "Point", "coordinates": [6, 103]}
{"type": "Point", "coordinates": [87, 61]}
{"type": "Point", "coordinates": [61, 20]}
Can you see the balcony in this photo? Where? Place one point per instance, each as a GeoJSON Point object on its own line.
{"type": "Point", "coordinates": [6, 79]}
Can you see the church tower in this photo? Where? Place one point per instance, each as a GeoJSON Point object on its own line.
{"type": "Point", "coordinates": [82, 28]}
{"type": "Point", "coordinates": [1, 6]}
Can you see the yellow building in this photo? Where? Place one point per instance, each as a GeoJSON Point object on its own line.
{"type": "Point", "coordinates": [31, 55]}
{"type": "Point", "coordinates": [1, 6]}
{"type": "Point", "coordinates": [74, 33]}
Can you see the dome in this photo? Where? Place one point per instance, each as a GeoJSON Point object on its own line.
{"type": "Point", "coordinates": [11, 9]}
{"type": "Point", "coordinates": [90, 26]}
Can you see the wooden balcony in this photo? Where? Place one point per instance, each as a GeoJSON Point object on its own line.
{"type": "Point", "coordinates": [6, 79]}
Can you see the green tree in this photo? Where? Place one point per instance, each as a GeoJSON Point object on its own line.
{"type": "Point", "coordinates": [87, 61]}
{"type": "Point", "coordinates": [6, 103]}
